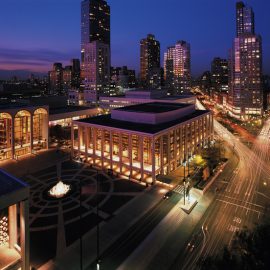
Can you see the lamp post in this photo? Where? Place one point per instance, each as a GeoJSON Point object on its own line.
{"type": "Point", "coordinates": [98, 259]}
{"type": "Point", "coordinates": [184, 191]}
{"type": "Point", "coordinates": [81, 247]}
{"type": "Point", "coordinates": [184, 181]}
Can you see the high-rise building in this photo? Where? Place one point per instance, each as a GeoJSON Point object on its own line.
{"type": "Point", "coordinates": [67, 78]}
{"type": "Point", "coordinates": [95, 48]}
{"type": "Point", "coordinates": [76, 73]}
{"type": "Point", "coordinates": [95, 22]}
{"type": "Point", "coordinates": [150, 73]}
{"type": "Point", "coordinates": [177, 72]}
{"type": "Point", "coordinates": [56, 78]}
{"type": "Point", "coordinates": [244, 19]}
{"type": "Point", "coordinates": [219, 74]}
{"type": "Point", "coordinates": [245, 75]}
{"type": "Point", "coordinates": [96, 69]}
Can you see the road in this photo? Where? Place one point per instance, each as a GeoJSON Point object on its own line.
{"type": "Point", "coordinates": [242, 201]}
{"type": "Point", "coordinates": [123, 247]}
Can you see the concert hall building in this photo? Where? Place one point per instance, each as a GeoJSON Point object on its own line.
{"type": "Point", "coordinates": [144, 140]}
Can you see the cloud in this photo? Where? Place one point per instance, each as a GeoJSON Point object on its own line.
{"type": "Point", "coordinates": [34, 59]}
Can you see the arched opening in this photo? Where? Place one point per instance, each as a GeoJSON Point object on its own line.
{"type": "Point", "coordinates": [5, 136]}
{"type": "Point", "coordinates": [40, 129]}
{"type": "Point", "coordinates": [22, 133]}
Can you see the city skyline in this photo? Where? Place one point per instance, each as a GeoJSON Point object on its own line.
{"type": "Point", "coordinates": [37, 51]}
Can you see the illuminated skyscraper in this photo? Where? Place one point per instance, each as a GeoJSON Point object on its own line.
{"type": "Point", "coordinates": [177, 67]}
{"type": "Point", "coordinates": [150, 62]}
{"type": "Point", "coordinates": [244, 19]}
{"type": "Point", "coordinates": [245, 75]}
{"type": "Point", "coordinates": [95, 47]}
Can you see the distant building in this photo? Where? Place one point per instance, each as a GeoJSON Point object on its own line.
{"type": "Point", "coordinates": [245, 97]}
{"type": "Point", "coordinates": [143, 96]}
{"type": "Point", "coordinates": [95, 48]}
{"type": "Point", "coordinates": [150, 73]}
{"type": "Point", "coordinates": [67, 78]}
{"type": "Point", "coordinates": [122, 78]}
{"type": "Point", "coordinates": [56, 78]}
{"type": "Point", "coordinates": [76, 73]}
{"type": "Point", "coordinates": [177, 73]}
{"type": "Point", "coordinates": [205, 83]}
{"type": "Point", "coordinates": [219, 75]}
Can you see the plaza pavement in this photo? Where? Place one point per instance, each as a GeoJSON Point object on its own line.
{"type": "Point", "coordinates": [109, 232]}
{"type": "Point", "coordinates": [34, 162]}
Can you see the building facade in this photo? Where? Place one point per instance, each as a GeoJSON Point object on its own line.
{"type": "Point", "coordinates": [150, 72]}
{"type": "Point", "coordinates": [56, 78]}
{"type": "Point", "coordinates": [245, 97]}
{"type": "Point", "coordinates": [177, 73]}
{"type": "Point", "coordinates": [95, 47]}
{"type": "Point", "coordinates": [96, 69]}
{"type": "Point", "coordinates": [143, 141]}
{"type": "Point", "coordinates": [133, 97]}
{"type": "Point", "coordinates": [23, 130]}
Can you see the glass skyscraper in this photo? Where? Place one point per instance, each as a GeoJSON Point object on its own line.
{"type": "Point", "coordinates": [245, 77]}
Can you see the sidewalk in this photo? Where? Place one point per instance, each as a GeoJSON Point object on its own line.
{"type": "Point", "coordinates": [158, 250]}
{"type": "Point", "coordinates": [109, 232]}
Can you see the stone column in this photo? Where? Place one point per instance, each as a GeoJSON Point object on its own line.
{"type": "Point", "coordinates": [169, 152]}
{"type": "Point", "coordinates": [130, 152]}
{"type": "Point", "coordinates": [72, 139]}
{"type": "Point", "coordinates": [86, 142]}
{"type": "Point", "coordinates": [120, 152]}
{"type": "Point", "coordinates": [31, 133]}
{"type": "Point", "coordinates": [161, 156]}
{"type": "Point", "coordinates": [141, 155]}
{"type": "Point", "coordinates": [102, 148]}
{"type": "Point", "coordinates": [12, 225]}
{"type": "Point", "coordinates": [94, 144]}
{"type": "Point", "coordinates": [79, 140]}
{"type": "Point", "coordinates": [24, 234]}
{"type": "Point", "coordinates": [153, 160]}
{"type": "Point", "coordinates": [13, 137]}
{"type": "Point", "coordinates": [111, 150]}
{"type": "Point", "coordinates": [175, 147]}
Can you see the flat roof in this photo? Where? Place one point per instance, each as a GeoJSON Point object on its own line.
{"type": "Point", "coordinates": [14, 106]}
{"type": "Point", "coordinates": [107, 121]}
{"type": "Point", "coordinates": [9, 183]}
{"type": "Point", "coordinates": [67, 109]}
{"type": "Point", "coordinates": [153, 107]}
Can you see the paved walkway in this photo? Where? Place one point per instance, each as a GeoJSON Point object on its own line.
{"type": "Point", "coordinates": [33, 162]}
{"type": "Point", "coordinates": [109, 232]}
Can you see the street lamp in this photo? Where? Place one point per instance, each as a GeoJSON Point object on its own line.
{"type": "Point", "coordinates": [184, 191]}
{"type": "Point", "coordinates": [98, 259]}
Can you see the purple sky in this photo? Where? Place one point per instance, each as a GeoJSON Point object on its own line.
{"type": "Point", "coordinates": [36, 33]}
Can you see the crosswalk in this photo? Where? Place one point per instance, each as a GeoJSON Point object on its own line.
{"type": "Point", "coordinates": [179, 189]}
